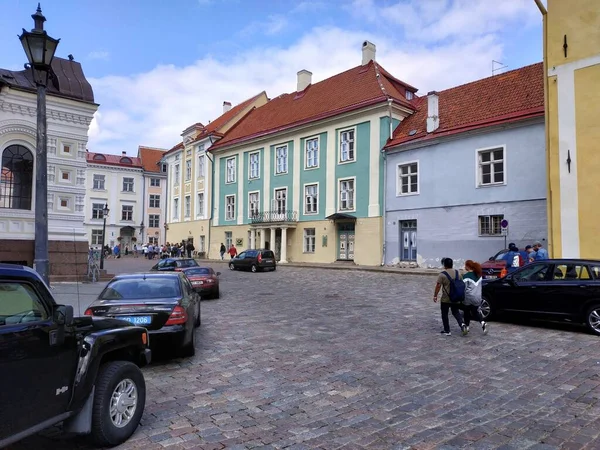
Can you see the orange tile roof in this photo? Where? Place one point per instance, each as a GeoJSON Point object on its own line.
{"type": "Point", "coordinates": [353, 89]}
{"type": "Point", "coordinates": [150, 158]}
{"type": "Point", "coordinates": [510, 96]}
{"type": "Point", "coordinates": [113, 160]}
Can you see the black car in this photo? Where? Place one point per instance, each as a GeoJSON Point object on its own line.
{"type": "Point", "coordinates": [57, 368]}
{"type": "Point", "coordinates": [174, 264]}
{"type": "Point", "coordinates": [164, 303]}
{"type": "Point", "coordinates": [556, 289]}
{"type": "Point", "coordinates": [254, 260]}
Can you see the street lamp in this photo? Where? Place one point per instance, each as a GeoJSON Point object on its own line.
{"type": "Point", "coordinates": [40, 49]}
{"type": "Point", "coordinates": [105, 212]}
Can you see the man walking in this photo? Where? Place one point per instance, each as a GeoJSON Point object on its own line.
{"type": "Point", "coordinates": [444, 283]}
{"type": "Point", "coordinates": [222, 250]}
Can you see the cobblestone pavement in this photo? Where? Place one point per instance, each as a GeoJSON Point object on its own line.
{"type": "Point", "coordinates": [312, 358]}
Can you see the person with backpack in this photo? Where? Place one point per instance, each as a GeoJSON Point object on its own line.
{"type": "Point", "coordinates": [472, 302]}
{"type": "Point", "coordinates": [513, 258]}
{"type": "Point", "coordinates": [453, 293]}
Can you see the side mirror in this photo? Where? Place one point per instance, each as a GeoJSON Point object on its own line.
{"type": "Point", "coordinates": [218, 273]}
{"type": "Point", "coordinates": [63, 315]}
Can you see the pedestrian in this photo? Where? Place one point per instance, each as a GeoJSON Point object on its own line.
{"type": "Point", "coordinates": [126, 250]}
{"type": "Point", "coordinates": [135, 251]}
{"type": "Point", "coordinates": [540, 252]}
{"type": "Point", "coordinates": [448, 282]}
{"type": "Point", "coordinates": [223, 250]}
{"type": "Point", "coordinates": [232, 251]}
{"type": "Point", "coordinates": [472, 303]}
{"type": "Point", "coordinates": [189, 248]}
{"type": "Point", "coordinates": [512, 258]}
{"type": "Point", "coordinates": [530, 254]}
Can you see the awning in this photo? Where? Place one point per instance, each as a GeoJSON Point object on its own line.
{"type": "Point", "coordinates": [341, 216]}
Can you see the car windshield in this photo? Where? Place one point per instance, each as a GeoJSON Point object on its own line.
{"type": "Point", "coordinates": [186, 263]}
{"type": "Point", "coordinates": [500, 256]}
{"type": "Point", "coordinates": [139, 288]}
{"type": "Point", "coordinates": [198, 271]}
{"type": "Point", "coordinates": [268, 254]}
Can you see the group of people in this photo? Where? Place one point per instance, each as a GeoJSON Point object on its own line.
{"type": "Point", "coordinates": [151, 251]}
{"type": "Point", "coordinates": [516, 258]}
{"type": "Point", "coordinates": [232, 251]}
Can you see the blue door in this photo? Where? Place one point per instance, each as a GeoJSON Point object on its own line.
{"type": "Point", "coordinates": [408, 240]}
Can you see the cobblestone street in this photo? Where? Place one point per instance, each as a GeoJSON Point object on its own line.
{"type": "Point", "coordinates": [315, 358]}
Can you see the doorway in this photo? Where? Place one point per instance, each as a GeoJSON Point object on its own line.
{"type": "Point", "coordinates": [346, 236]}
{"type": "Point", "coordinates": [408, 240]}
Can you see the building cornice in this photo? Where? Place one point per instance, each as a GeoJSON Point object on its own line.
{"type": "Point", "coordinates": [53, 114]}
{"type": "Point", "coordinates": [111, 168]}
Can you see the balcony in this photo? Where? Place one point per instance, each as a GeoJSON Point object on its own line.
{"type": "Point", "coordinates": [276, 216]}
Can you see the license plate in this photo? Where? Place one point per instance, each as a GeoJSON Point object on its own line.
{"type": "Point", "coordinates": [137, 320]}
{"type": "Point", "coordinates": [198, 282]}
{"type": "Point", "coordinates": [491, 277]}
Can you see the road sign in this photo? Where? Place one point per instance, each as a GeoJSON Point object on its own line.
{"type": "Point", "coordinates": [504, 223]}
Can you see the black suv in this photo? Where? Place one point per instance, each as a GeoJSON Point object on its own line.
{"type": "Point", "coordinates": [254, 260]}
{"type": "Point", "coordinates": [84, 372]}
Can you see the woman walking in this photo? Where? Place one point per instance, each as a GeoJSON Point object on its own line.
{"type": "Point", "coordinates": [472, 303]}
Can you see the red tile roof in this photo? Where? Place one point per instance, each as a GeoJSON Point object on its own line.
{"type": "Point", "coordinates": [510, 96]}
{"type": "Point", "coordinates": [114, 160]}
{"type": "Point", "coordinates": [150, 158]}
{"type": "Point", "coordinates": [350, 90]}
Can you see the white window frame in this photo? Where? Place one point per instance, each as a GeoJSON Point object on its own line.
{"type": "Point", "coordinates": [228, 239]}
{"type": "Point", "coordinates": [69, 176]}
{"type": "Point", "coordinates": [71, 147]}
{"type": "Point", "coordinates": [98, 235]}
{"type": "Point", "coordinates": [251, 174]}
{"type": "Point", "coordinates": [176, 173]}
{"type": "Point", "coordinates": [188, 169]}
{"type": "Point", "coordinates": [230, 170]}
{"type": "Point", "coordinates": [229, 215]}
{"type": "Point", "coordinates": [201, 165]}
{"type": "Point", "coordinates": [68, 200]}
{"type": "Point", "coordinates": [309, 240]}
{"type": "Point", "coordinates": [257, 193]}
{"type": "Point", "coordinates": [490, 217]}
{"type": "Point", "coordinates": [153, 199]}
{"type": "Point", "coordinates": [200, 205]}
{"type": "Point", "coordinates": [339, 189]}
{"type": "Point", "coordinates": [399, 177]}
{"type": "Point", "coordinates": [304, 197]}
{"type": "Point", "coordinates": [164, 168]}
{"type": "Point", "coordinates": [316, 150]}
{"type": "Point", "coordinates": [281, 169]}
{"type": "Point", "coordinates": [123, 211]}
{"type": "Point", "coordinates": [353, 150]}
{"type": "Point", "coordinates": [187, 206]}
{"type": "Point", "coordinates": [154, 182]}
{"type": "Point", "coordinates": [132, 183]}
{"type": "Point", "coordinates": [101, 182]}
{"type": "Point", "coordinates": [99, 210]}
{"type": "Point", "coordinates": [478, 167]}
{"type": "Point", "coordinates": [409, 95]}
{"type": "Point", "coordinates": [175, 208]}
{"type": "Point", "coordinates": [188, 152]}
{"type": "Point", "coordinates": [153, 217]}
{"type": "Point", "coordinates": [275, 201]}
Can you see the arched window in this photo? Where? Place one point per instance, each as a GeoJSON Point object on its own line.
{"type": "Point", "coordinates": [99, 157]}
{"type": "Point", "coordinates": [16, 180]}
{"type": "Point", "coordinates": [126, 160]}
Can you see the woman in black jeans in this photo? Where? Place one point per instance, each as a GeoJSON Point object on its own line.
{"type": "Point", "coordinates": [472, 303]}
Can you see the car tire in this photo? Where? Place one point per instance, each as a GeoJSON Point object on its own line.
{"type": "Point", "coordinates": [189, 349]}
{"type": "Point", "coordinates": [112, 378]}
{"type": "Point", "coordinates": [274, 268]}
{"type": "Point", "coordinates": [592, 319]}
{"type": "Point", "coordinates": [253, 268]}
{"type": "Point", "coordinates": [231, 266]}
{"type": "Point", "coordinates": [217, 294]}
{"type": "Point", "coordinates": [486, 309]}
{"type": "Point", "coordinates": [198, 321]}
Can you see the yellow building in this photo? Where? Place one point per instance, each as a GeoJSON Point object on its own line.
{"type": "Point", "coordinates": [572, 68]}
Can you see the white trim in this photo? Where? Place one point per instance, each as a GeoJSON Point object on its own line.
{"type": "Point", "coordinates": [330, 181]}
{"type": "Point", "coordinates": [248, 201]}
{"type": "Point", "coordinates": [69, 176]}
{"type": "Point", "coordinates": [312, 138]}
{"type": "Point", "coordinates": [339, 146]}
{"type": "Point", "coordinates": [339, 194]}
{"type": "Point", "coordinates": [375, 168]}
{"type": "Point", "coordinates": [574, 65]}
{"type": "Point", "coordinates": [398, 186]}
{"type": "Point", "coordinates": [280, 188]}
{"type": "Point", "coordinates": [478, 183]}
{"type": "Point", "coordinates": [200, 212]}
{"type": "Point", "coordinates": [72, 149]}
{"type": "Point", "coordinates": [315, 183]}
{"type": "Point", "coordinates": [304, 250]}
{"type": "Point", "coordinates": [227, 169]}
{"type": "Point", "coordinates": [233, 218]}
{"type": "Point", "coordinates": [253, 152]}
{"type": "Point", "coordinates": [287, 159]}
{"type": "Point", "coordinates": [185, 213]}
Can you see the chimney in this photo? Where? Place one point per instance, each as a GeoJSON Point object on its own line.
{"type": "Point", "coordinates": [123, 153]}
{"type": "Point", "coordinates": [226, 107]}
{"type": "Point", "coordinates": [368, 52]}
{"type": "Point", "coordinates": [433, 119]}
{"type": "Point", "coordinates": [304, 80]}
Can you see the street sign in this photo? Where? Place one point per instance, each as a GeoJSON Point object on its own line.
{"type": "Point", "coordinates": [504, 223]}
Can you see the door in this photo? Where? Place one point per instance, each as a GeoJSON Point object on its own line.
{"type": "Point", "coordinates": [568, 290]}
{"type": "Point", "coordinates": [36, 377]}
{"type": "Point", "coordinates": [408, 240]}
{"type": "Point", "coordinates": [346, 238]}
{"type": "Point", "coordinates": [524, 289]}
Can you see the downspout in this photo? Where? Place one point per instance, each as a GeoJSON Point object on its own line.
{"type": "Point", "coordinates": [162, 161]}
{"type": "Point", "coordinates": [212, 195]}
{"type": "Point", "coordinates": [549, 213]}
{"type": "Point", "coordinates": [384, 156]}
{"type": "Point", "coordinates": [143, 206]}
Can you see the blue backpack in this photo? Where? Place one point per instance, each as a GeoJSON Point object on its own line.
{"type": "Point", "coordinates": [457, 288]}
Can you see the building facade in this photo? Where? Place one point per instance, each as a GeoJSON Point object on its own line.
{"type": "Point", "coordinates": [70, 109]}
{"type": "Point", "coordinates": [469, 158]}
{"type": "Point", "coordinates": [116, 181]}
{"type": "Point", "coordinates": [154, 195]}
{"type": "Point", "coordinates": [303, 174]}
{"type": "Point", "coordinates": [572, 62]}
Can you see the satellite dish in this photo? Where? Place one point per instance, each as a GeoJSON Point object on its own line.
{"type": "Point", "coordinates": [412, 132]}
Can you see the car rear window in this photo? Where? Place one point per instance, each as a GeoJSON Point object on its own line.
{"type": "Point", "coordinates": [251, 253]}
{"type": "Point", "coordinates": [138, 289]}
{"type": "Point", "coordinates": [268, 254]}
{"type": "Point", "coordinates": [198, 271]}
{"type": "Point", "coordinates": [187, 263]}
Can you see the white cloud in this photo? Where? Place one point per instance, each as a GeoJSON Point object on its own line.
{"type": "Point", "coordinates": [153, 108]}
{"type": "Point", "coordinates": [308, 6]}
{"type": "Point", "coordinates": [273, 24]}
{"type": "Point", "coordinates": [102, 55]}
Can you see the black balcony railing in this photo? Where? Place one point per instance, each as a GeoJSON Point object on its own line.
{"type": "Point", "coordinates": [274, 216]}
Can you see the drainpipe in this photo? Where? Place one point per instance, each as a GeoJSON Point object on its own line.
{"type": "Point", "coordinates": [212, 195]}
{"type": "Point", "coordinates": [549, 213]}
{"type": "Point", "coordinates": [166, 216]}
{"type": "Point", "coordinates": [143, 204]}
{"type": "Point", "coordinates": [384, 156]}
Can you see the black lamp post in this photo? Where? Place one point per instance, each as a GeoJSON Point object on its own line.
{"type": "Point", "coordinates": [105, 212]}
{"type": "Point", "coordinates": [40, 49]}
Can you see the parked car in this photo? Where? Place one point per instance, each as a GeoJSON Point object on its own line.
{"type": "Point", "coordinates": [254, 260]}
{"type": "Point", "coordinates": [174, 264]}
{"type": "Point", "coordinates": [557, 289]}
{"type": "Point", "coordinates": [493, 266]}
{"type": "Point", "coordinates": [204, 281]}
{"type": "Point", "coordinates": [59, 368]}
{"type": "Point", "coordinates": [164, 303]}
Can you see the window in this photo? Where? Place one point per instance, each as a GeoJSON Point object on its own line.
{"type": "Point", "coordinates": [176, 208]}
{"type": "Point", "coordinates": [535, 272]}
{"type": "Point", "coordinates": [127, 212]}
{"type": "Point", "coordinates": [176, 174]}
{"type": "Point", "coordinates": [281, 158]}
{"type": "Point", "coordinates": [201, 165]}
{"type": "Point", "coordinates": [188, 170]}
{"type": "Point", "coordinates": [65, 202]}
{"type": "Point", "coordinates": [96, 237]}
{"type": "Point", "coordinates": [99, 157]}
{"type": "Point", "coordinates": [66, 148]}
{"type": "Point", "coordinates": [228, 239]}
{"type": "Point", "coordinates": [65, 175]}
{"type": "Point", "coordinates": [127, 184]}
{"type": "Point", "coordinates": [163, 168]}
{"type": "Point", "coordinates": [188, 206]}
{"type": "Point", "coordinates": [253, 204]}
{"type": "Point", "coordinates": [19, 304]}
{"type": "Point", "coordinates": [154, 220]}
{"type": "Point", "coordinates": [309, 240]}
{"type": "Point", "coordinates": [202, 245]}
{"type": "Point", "coordinates": [154, 201]}
{"type": "Point", "coordinates": [16, 181]}
{"type": "Point", "coordinates": [200, 210]}
{"type": "Point", "coordinates": [97, 211]}
{"type": "Point", "coordinates": [125, 160]}
{"type": "Point", "coordinates": [155, 182]}
{"type": "Point", "coordinates": [230, 167]}
{"type": "Point", "coordinates": [254, 165]}
{"type": "Point", "coordinates": [346, 195]}
{"type": "Point", "coordinates": [153, 240]}
{"type": "Point", "coordinates": [408, 178]}
{"type": "Point", "coordinates": [490, 225]}
{"type": "Point", "coordinates": [230, 207]}
{"type": "Point", "coordinates": [491, 166]}
{"type": "Point", "coordinates": [347, 146]}
{"type": "Point", "coordinates": [409, 95]}
{"type": "Point", "coordinates": [312, 153]}
{"type": "Point", "coordinates": [188, 152]}
{"type": "Point", "coordinates": [570, 272]}
{"type": "Point", "coordinates": [311, 199]}
{"type": "Point", "coordinates": [280, 200]}
{"type": "Point", "coordinates": [98, 182]}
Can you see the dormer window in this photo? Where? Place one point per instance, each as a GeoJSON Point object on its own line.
{"type": "Point", "coordinates": [126, 160]}
{"type": "Point", "coordinates": [99, 158]}
{"type": "Point", "coordinates": [409, 95]}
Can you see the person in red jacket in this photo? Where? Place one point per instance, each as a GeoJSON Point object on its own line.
{"type": "Point", "coordinates": [232, 251]}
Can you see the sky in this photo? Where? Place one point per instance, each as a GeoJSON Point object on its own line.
{"type": "Point", "coordinates": [159, 66]}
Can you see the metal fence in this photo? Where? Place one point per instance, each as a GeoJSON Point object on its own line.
{"type": "Point", "coordinates": [274, 216]}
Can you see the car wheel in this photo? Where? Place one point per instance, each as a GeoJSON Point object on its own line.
{"type": "Point", "coordinates": [119, 402]}
{"type": "Point", "coordinates": [486, 309]}
{"type": "Point", "coordinates": [231, 266]}
{"type": "Point", "coordinates": [592, 319]}
{"type": "Point", "coordinates": [253, 268]}
{"type": "Point", "coordinates": [217, 294]}
{"type": "Point", "coordinates": [189, 349]}
{"type": "Point", "coordinates": [198, 321]}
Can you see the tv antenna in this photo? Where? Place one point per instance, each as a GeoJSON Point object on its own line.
{"type": "Point", "coordinates": [497, 66]}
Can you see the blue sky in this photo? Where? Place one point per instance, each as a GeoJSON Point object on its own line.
{"type": "Point", "coordinates": [158, 66]}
